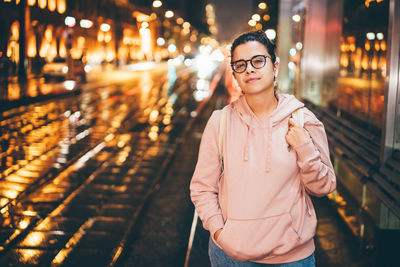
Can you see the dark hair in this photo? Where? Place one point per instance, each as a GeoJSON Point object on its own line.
{"type": "Point", "coordinates": [258, 36]}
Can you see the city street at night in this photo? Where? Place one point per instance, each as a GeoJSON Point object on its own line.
{"type": "Point", "coordinates": [207, 133]}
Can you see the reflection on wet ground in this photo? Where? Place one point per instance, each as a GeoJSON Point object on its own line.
{"type": "Point", "coordinates": [73, 171]}
{"type": "Point", "coordinates": [33, 87]}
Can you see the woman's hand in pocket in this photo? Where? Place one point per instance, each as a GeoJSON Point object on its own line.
{"type": "Point", "coordinates": [217, 233]}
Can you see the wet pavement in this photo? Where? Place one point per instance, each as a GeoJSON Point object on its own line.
{"type": "Point", "coordinates": [76, 171]}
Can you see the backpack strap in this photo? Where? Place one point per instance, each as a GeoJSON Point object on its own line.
{"type": "Point", "coordinates": [221, 132]}
{"type": "Point", "coordinates": [298, 116]}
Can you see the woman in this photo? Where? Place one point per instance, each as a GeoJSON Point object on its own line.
{"type": "Point", "coordinates": [258, 212]}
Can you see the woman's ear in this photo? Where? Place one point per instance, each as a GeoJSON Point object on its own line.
{"type": "Point", "coordinates": [276, 68]}
{"type": "Point", "coordinates": [235, 81]}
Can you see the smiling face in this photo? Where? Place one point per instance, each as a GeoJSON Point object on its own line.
{"type": "Point", "coordinates": [254, 80]}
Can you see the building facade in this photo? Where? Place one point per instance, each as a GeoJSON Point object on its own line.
{"type": "Point", "coordinates": [33, 32]}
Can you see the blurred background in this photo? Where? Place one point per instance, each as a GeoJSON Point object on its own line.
{"type": "Point", "coordinates": [103, 103]}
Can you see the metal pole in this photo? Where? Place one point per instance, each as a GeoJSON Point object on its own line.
{"type": "Point", "coordinates": [22, 42]}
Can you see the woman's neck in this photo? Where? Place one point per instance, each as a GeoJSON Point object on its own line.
{"type": "Point", "coordinates": [262, 104]}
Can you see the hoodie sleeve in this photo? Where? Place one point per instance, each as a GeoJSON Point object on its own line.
{"type": "Point", "coordinates": [204, 184]}
{"type": "Point", "coordinates": [316, 170]}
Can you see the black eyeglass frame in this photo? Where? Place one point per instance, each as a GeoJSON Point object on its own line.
{"type": "Point", "coordinates": [251, 62]}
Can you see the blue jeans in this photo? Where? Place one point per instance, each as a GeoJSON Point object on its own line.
{"type": "Point", "coordinates": [219, 258]}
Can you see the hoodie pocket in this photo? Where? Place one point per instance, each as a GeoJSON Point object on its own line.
{"type": "Point", "coordinates": [257, 239]}
{"type": "Point", "coordinates": [304, 221]}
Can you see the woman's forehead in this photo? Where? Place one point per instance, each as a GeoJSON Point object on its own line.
{"type": "Point", "coordinates": [249, 49]}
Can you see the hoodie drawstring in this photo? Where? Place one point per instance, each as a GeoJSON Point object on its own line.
{"type": "Point", "coordinates": [269, 145]}
{"type": "Point", "coordinates": [246, 145]}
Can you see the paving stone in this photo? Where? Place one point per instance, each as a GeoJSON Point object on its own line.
{"type": "Point", "coordinates": [27, 257]}
{"type": "Point", "coordinates": [326, 228]}
{"type": "Point", "coordinates": [109, 224]}
{"type": "Point", "coordinates": [108, 180]}
{"type": "Point", "coordinates": [67, 225]}
{"type": "Point", "coordinates": [99, 240]}
{"type": "Point", "coordinates": [137, 179]}
{"type": "Point", "coordinates": [5, 234]}
{"type": "Point", "coordinates": [92, 199]}
{"type": "Point", "coordinates": [54, 188]}
{"type": "Point", "coordinates": [20, 179]}
{"type": "Point", "coordinates": [137, 189]}
{"type": "Point", "coordinates": [73, 179]}
{"type": "Point", "coordinates": [46, 198]}
{"type": "Point", "coordinates": [79, 211]}
{"type": "Point", "coordinates": [7, 185]}
{"type": "Point", "coordinates": [98, 189]}
{"type": "Point", "coordinates": [44, 240]}
{"type": "Point", "coordinates": [41, 208]}
{"type": "Point", "coordinates": [149, 164]}
{"type": "Point", "coordinates": [126, 198]}
{"type": "Point", "coordinates": [88, 257]}
{"type": "Point", "coordinates": [148, 172]}
{"type": "Point", "coordinates": [117, 210]}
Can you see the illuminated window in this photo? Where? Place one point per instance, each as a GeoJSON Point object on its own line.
{"type": "Point", "coordinates": [52, 5]}
{"type": "Point", "coordinates": [61, 6]}
{"type": "Point", "coordinates": [31, 48]}
{"type": "Point", "coordinates": [42, 3]}
{"type": "Point", "coordinates": [362, 75]}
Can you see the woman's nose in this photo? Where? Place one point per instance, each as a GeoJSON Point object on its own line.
{"type": "Point", "coordinates": [250, 68]}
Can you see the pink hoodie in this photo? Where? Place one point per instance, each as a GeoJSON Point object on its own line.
{"type": "Point", "coordinates": [260, 200]}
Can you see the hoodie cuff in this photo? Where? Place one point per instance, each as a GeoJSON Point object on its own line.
{"type": "Point", "coordinates": [214, 223]}
{"type": "Point", "coordinates": [305, 150]}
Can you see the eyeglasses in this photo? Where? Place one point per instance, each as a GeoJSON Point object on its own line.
{"type": "Point", "coordinates": [258, 61]}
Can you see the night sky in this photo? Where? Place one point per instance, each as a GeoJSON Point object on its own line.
{"type": "Point", "coordinates": [232, 17]}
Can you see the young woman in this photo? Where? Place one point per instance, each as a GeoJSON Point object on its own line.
{"type": "Point", "coordinates": [258, 210]}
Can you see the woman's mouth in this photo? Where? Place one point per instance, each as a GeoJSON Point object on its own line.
{"type": "Point", "coordinates": [252, 80]}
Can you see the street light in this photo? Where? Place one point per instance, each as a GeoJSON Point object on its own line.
{"type": "Point", "coordinates": [105, 27]}
{"type": "Point", "coordinates": [370, 35]}
{"type": "Point", "coordinates": [70, 23]}
{"type": "Point", "coordinates": [157, 3]}
{"type": "Point", "coordinates": [85, 23]}
{"type": "Point", "coordinates": [262, 5]}
{"type": "Point", "coordinates": [256, 17]}
{"type": "Point", "coordinates": [252, 23]}
{"type": "Point", "coordinates": [160, 41]}
{"type": "Point", "coordinates": [169, 14]}
{"type": "Point", "coordinates": [171, 48]}
{"type": "Point", "coordinates": [145, 24]}
{"type": "Point", "coordinates": [296, 18]}
{"type": "Point", "coordinates": [271, 34]}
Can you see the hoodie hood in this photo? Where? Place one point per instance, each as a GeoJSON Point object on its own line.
{"type": "Point", "coordinates": [287, 104]}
